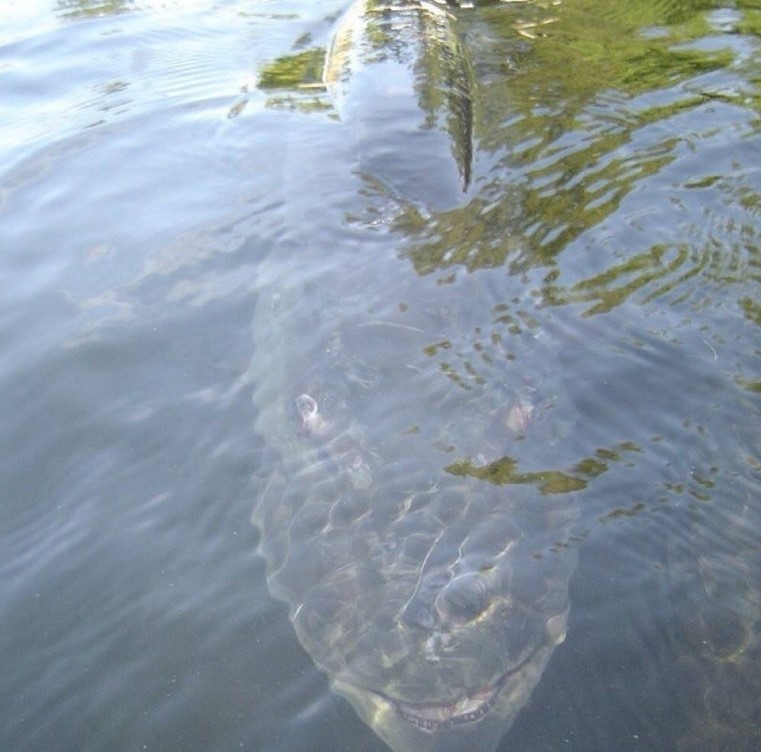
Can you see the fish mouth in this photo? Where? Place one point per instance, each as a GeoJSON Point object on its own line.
{"type": "Point", "coordinates": [432, 716]}
{"type": "Point", "coordinates": [472, 707]}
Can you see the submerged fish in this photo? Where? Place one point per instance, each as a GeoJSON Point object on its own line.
{"type": "Point", "coordinates": [432, 596]}
{"type": "Point", "coordinates": [432, 600]}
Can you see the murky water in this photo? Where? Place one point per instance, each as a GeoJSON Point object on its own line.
{"type": "Point", "coordinates": [565, 217]}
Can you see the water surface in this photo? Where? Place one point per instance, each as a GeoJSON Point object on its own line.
{"type": "Point", "coordinates": [154, 189]}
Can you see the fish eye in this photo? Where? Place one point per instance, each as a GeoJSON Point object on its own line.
{"type": "Point", "coordinates": [306, 406]}
{"type": "Point", "coordinates": [464, 599]}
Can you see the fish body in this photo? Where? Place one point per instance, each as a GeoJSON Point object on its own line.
{"type": "Point", "coordinates": [401, 81]}
{"type": "Point", "coordinates": [432, 599]}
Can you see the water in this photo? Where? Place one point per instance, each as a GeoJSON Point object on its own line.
{"type": "Point", "coordinates": [153, 195]}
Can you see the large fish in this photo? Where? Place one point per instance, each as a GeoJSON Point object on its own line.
{"type": "Point", "coordinates": [429, 589]}
{"type": "Point", "coordinates": [427, 585]}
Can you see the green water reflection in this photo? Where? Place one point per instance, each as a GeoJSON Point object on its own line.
{"type": "Point", "coordinates": [568, 114]}
{"type": "Point", "coordinates": [570, 118]}
{"type": "Point", "coordinates": [90, 8]}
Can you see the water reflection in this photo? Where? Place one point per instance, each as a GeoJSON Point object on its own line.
{"type": "Point", "coordinates": [85, 8]}
{"type": "Point", "coordinates": [580, 119]}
